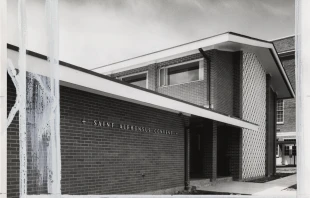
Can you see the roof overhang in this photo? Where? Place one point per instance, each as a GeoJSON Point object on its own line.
{"type": "Point", "coordinates": [82, 79]}
{"type": "Point", "coordinates": [264, 50]}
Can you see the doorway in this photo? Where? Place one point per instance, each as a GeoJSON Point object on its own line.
{"type": "Point", "coordinates": [196, 152]}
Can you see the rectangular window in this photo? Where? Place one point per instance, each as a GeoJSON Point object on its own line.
{"type": "Point", "coordinates": [277, 151]}
{"type": "Point", "coordinates": [181, 73]}
{"type": "Point", "coordinates": [286, 150]}
{"type": "Point", "coordinates": [280, 112]}
{"type": "Point", "coordinates": [139, 79]}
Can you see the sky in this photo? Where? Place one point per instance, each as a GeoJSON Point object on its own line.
{"type": "Point", "coordinates": [94, 33]}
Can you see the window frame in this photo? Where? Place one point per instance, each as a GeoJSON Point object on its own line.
{"type": "Point", "coordinates": [165, 68]}
{"type": "Point", "coordinates": [135, 74]}
{"type": "Point", "coordinates": [282, 112]}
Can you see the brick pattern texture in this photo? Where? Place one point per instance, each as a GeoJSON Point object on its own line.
{"type": "Point", "coordinates": [289, 124]}
{"type": "Point", "coordinates": [254, 110]}
{"type": "Point", "coordinates": [12, 146]}
{"type": "Point", "coordinates": [222, 82]}
{"type": "Point", "coordinates": [102, 160]}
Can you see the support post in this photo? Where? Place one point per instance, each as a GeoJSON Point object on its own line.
{"type": "Point", "coordinates": [187, 157]}
{"type": "Point", "coordinates": [214, 152]}
{"type": "Point", "coordinates": [3, 99]}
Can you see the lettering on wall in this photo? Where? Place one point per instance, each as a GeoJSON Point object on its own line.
{"type": "Point", "coordinates": [105, 124]}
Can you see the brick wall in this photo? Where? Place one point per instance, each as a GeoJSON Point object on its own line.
{"type": "Point", "coordinates": [289, 67]}
{"type": "Point", "coordinates": [289, 124]}
{"type": "Point", "coordinates": [222, 82]}
{"type": "Point", "coordinates": [12, 146]}
{"type": "Point", "coordinates": [98, 160]}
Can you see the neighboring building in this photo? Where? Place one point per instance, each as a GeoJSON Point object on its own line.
{"type": "Point", "coordinates": [286, 108]}
{"type": "Point", "coordinates": [205, 109]}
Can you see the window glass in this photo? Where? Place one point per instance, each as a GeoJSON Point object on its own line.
{"type": "Point", "coordinates": [183, 73]}
{"type": "Point", "coordinates": [139, 80]}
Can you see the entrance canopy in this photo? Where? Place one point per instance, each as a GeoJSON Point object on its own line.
{"type": "Point", "coordinates": [93, 82]}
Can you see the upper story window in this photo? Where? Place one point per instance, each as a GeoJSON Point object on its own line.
{"type": "Point", "coordinates": [139, 79]}
{"type": "Point", "coordinates": [280, 112]}
{"type": "Point", "coordinates": [181, 73]}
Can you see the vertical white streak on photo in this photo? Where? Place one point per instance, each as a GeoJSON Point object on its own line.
{"type": "Point", "coordinates": [22, 32]}
{"type": "Point", "coordinates": [54, 159]}
{"type": "Point", "coordinates": [303, 96]}
{"type": "Point", "coordinates": [3, 99]}
{"type": "Point", "coordinates": [12, 71]}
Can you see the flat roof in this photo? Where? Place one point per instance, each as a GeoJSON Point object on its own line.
{"type": "Point", "coordinates": [229, 41]}
{"type": "Point", "coordinates": [93, 82]}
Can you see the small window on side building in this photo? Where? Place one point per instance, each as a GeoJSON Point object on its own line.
{"type": "Point", "coordinates": [280, 112]}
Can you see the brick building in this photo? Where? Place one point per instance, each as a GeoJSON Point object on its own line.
{"type": "Point", "coordinates": [157, 123]}
{"type": "Point", "coordinates": [286, 109]}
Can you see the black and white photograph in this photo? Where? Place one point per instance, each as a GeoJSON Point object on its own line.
{"type": "Point", "coordinates": [154, 98]}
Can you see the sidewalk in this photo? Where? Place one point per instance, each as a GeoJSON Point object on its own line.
{"type": "Point", "coordinates": [274, 187]}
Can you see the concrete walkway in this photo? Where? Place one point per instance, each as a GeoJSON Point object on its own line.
{"type": "Point", "coordinates": [274, 187]}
